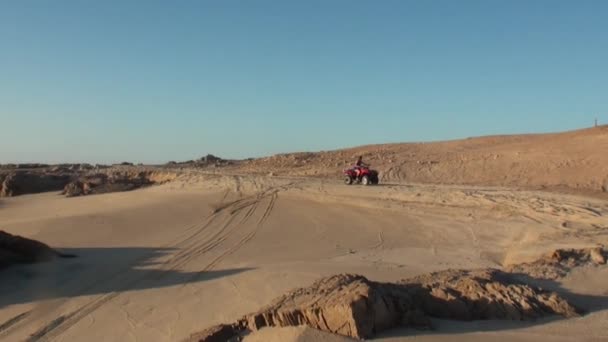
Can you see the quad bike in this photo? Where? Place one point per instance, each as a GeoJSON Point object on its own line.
{"type": "Point", "coordinates": [366, 176]}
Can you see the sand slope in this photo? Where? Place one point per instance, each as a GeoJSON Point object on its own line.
{"type": "Point", "coordinates": [161, 263]}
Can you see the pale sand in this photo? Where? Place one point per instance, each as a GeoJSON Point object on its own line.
{"type": "Point", "coordinates": [161, 263]}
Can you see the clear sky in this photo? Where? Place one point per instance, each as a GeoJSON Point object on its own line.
{"type": "Point", "coordinates": [153, 81]}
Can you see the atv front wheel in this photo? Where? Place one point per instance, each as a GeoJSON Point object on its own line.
{"type": "Point", "coordinates": [348, 180]}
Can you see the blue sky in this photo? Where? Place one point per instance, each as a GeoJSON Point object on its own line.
{"type": "Point", "coordinates": [152, 81]}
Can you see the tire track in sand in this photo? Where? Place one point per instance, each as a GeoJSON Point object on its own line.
{"type": "Point", "coordinates": [192, 250]}
{"type": "Point", "coordinates": [246, 238]}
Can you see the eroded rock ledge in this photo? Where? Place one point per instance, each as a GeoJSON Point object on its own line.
{"type": "Point", "coordinates": [26, 182]}
{"type": "Point", "coordinates": [353, 306]}
{"type": "Point", "coordinates": [100, 183]}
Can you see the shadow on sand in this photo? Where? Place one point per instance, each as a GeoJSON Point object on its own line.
{"type": "Point", "coordinates": [587, 304]}
{"type": "Point", "coordinates": [394, 185]}
{"type": "Point", "coordinates": [97, 271]}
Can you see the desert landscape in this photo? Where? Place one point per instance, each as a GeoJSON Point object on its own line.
{"type": "Point", "coordinates": [495, 238]}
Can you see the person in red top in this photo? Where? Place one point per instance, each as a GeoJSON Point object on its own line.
{"type": "Point", "coordinates": [359, 165]}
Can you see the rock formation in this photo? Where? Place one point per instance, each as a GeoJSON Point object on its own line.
{"type": "Point", "coordinates": [353, 306]}
{"type": "Point", "coordinates": [104, 183]}
{"type": "Point", "coordinates": [115, 181]}
{"type": "Point", "coordinates": [204, 162]}
{"type": "Point", "coordinates": [25, 182]}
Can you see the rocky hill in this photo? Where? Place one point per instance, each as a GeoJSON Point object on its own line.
{"type": "Point", "coordinates": [570, 160]}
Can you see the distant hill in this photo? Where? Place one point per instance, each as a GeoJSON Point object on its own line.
{"type": "Point", "coordinates": [570, 160]}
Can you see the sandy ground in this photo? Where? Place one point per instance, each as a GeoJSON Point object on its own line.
{"type": "Point", "coordinates": [161, 263]}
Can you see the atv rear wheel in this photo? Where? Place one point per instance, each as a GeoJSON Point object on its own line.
{"type": "Point", "coordinates": [365, 180]}
{"type": "Point", "coordinates": [348, 180]}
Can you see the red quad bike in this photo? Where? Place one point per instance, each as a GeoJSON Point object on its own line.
{"type": "Point", "coordinates": [366, 176]}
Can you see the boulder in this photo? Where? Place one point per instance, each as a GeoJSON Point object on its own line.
{"type": "Point", "coordinates": [597, 256]}
{"type": "Point", "coordinates": [73, 189]}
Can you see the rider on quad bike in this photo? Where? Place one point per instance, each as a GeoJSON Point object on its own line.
{"type": "Point", "coordinates": [360, 173]}
{"type": "Point", "coordinates": [358, 165]}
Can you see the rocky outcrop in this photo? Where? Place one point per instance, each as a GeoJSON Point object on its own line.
{"type": "Point", "coordinates": [117, 181]}
{"type": "Point", "coordinates": [22, 182]}
{"type": "Point", "coordinates": [560, 262]}
{"type": "Point", "coordinates": [351, 305]}
{"type": "Point", "coordinates": [72, 168]}
{"type": "Point", "coordinates": [16, 249]}
{"type": "Point", "coordinates": [207, 161]}
{"type": "Point", "coordinates": [103, 183]}
{"type": "Point", "coordinates": [210, 158]}
{"type": "Point", "coordinates": [484, 294]}
{"type": "Point", "coordinates": [79, 179]}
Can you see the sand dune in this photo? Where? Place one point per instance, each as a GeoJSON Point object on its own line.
{"type": "Point", "coordinates": [161, 263]}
